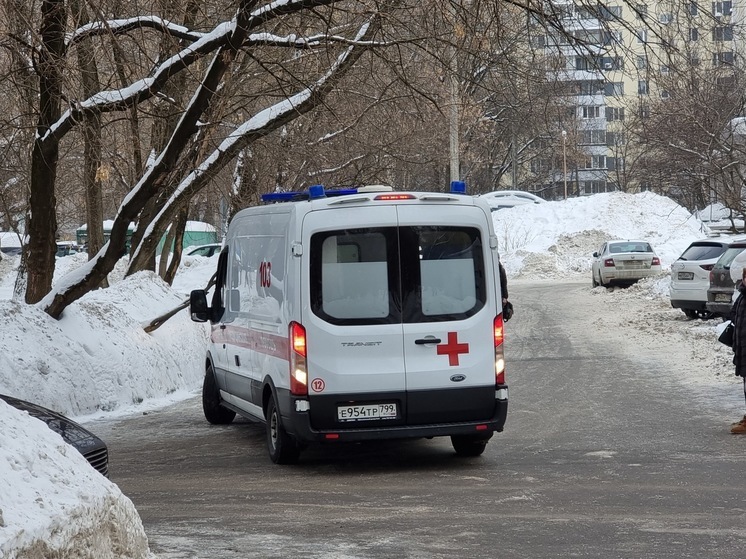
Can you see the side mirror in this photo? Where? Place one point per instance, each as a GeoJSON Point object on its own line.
{"type": "Point", "coordinates": [198, 305]}
{"type": "Point", "coordinates": [595, 255]}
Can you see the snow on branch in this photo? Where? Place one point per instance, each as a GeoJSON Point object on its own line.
{"type": "Point", "coordinates": [269, 39]}
{"type": "Point", "coordinates": [119, 99]}
{"type": "Point", "coordinates": [121, 26]}
{"type": "Point", "coordinates": [257, 126]}
{"type": "Point", "coordinates": [339, 167]}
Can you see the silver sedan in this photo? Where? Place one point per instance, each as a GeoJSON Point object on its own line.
{"type": "Point", "coordinates": [624, 262]}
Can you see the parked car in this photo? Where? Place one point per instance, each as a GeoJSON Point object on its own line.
{"type": "Point", "coordinates": [624, 262]}
{"type": "Point", "coordinates": [205, 250]}
{"type": "Point", "coordinates": [690, 275]}
{"type": "Point", "coordinates": [89, 445]}
{"type": "Point", "coordinates": [720, 292]}
{"type": "Point", "coordinates": [500, 199]}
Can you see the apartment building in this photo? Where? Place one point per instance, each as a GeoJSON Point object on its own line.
{"type": "Point", "coordinates": [615, 67]}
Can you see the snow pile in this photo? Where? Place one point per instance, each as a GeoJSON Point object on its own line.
{"type": "Point", "coordinates": [53, 504]}
{"type": "Point", "coordinates": [97, 357]}
{"type": "Point", "coordinates": [557, 238]}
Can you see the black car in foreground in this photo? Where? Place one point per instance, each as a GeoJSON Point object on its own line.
{"type": "Point", "coordinates": [89, 445]}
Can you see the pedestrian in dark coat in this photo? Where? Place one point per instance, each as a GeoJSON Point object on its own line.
{"type": "Point", "coordinates": [507, 305]}
{"type": "Point", "coordinates": [738, 318]}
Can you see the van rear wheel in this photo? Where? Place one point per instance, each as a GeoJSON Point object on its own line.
{"type": "Point", "coordinates": [470, 445]}
{"type": "Point", "coordinates": [214, 412]}
{"type": "Point", "coordinates": [282, 447]}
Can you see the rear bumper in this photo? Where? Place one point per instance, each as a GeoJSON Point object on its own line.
{"type": "Point", "coordinates": [689, 304]}
{"type": "Point", "coordinates": [627, 276]}
{"type": "Point", "coordinates": [719, 308]}
{"type": "Point", "coordinates": [297, 422]}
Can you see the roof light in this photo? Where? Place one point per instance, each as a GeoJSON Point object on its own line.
{"type": "Point", "coordinates": [316, 191]}
{"type": "Point", "coordinates": [458, 187]}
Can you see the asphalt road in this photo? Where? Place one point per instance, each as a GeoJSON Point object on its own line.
{"type": "Point", "coordinates": [605, 454]}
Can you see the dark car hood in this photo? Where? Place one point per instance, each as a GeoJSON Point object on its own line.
{"type": "Point", "coordinates": [72, 433]}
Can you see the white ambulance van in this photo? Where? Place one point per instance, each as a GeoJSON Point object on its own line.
{"type": "Point", "coordinates": [357, 315]}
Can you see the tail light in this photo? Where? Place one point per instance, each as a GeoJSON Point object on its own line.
{"type": "Point", "coordinates": [298, 363]}
{"type": "Point", "coordinates": [609, 262]}
{"type": "Point", "coordinates": [656, 261]}
{"type": "Point", "coordinates": [707, 267]}
{"type": "Point", "coordinates": [395, 197]}
{"type": "Point", "coordinates": [498, 333]}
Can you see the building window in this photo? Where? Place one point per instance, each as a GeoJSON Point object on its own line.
{"type": "Point", "coordinates": [614, 89]}
{"type": "Point", "coordinates": [592, 187]}
{"type": "Point", "coordinates": [722, 8]}
{"type": "Point", "coordinates": [641, 10]}
{"type": "Point", "coordinates": [644, 110]}
{"type": "Point", "coordinates": [665, 94]}
{"type": "Point", "coordinates": [724, 33]}
{"type": "Point", "coordinates": [665, 18]}
{"type": "Point", "coordinates": [642, 87]}
{"type": "Point", "coordinates": [694, 60]}
{"type": "Point", "coordinates": [693, 8]}
{"type": "Point", "coordinates": [642, 36]}
{"type": "Point", "coordinates": [612, 63]}
{"type": "Point", "coordinates": [614, 113]}
{"type": "Point", "coordinates": [592, 137]}
{"type": "Point", "coordinates": [722, 58]}
{"type": "Point", "coordinates": [642, 62]}
{"type": "Point", "coordinates": [590, 112]}
{"type": "Point", "coordinates": [665, 69]}
{"type": "Point", "coordinates": [693, 34]}
{"type": "Point", "coordinates": [586, 87]}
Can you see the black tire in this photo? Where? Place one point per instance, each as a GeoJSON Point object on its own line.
{"type": "Point", "coordinates": [214, 412]}
{"type": "Point", "coordinates": [690, 313]}
{"type": "Point", "coordinates": [469, 445]}
{"type": "Point", "coordinates": [281, 447]}
{"type": "Point", "coordinates": [595, 283]}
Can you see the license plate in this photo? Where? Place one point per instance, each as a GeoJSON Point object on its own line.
{"type": "Point", "coordinates": [366, 412]}
{"type": "Point", "coordinates": [723, 297]}
{"type": "Point", "coordinates": [686, 275]}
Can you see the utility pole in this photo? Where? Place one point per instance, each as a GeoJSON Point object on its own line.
{"type": "Point", "coordinates": [564, 159]}
{"type": "Point", "coordinates": [453, 129]}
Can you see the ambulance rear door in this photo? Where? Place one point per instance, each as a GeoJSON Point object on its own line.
{"type": "Point", "coordinates": [449, 307]}
{"type": "Point", "coordinates": [352, 317]}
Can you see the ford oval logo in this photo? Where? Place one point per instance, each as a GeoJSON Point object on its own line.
{"type": "Point", "coordinates": [458, 378]}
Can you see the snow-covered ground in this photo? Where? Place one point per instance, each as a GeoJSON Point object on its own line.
{"type": "Point", "coordinates": [97, 360]}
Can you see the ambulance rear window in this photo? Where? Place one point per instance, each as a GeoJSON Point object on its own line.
{"type": "Point", "coordinates": [393, 275]}
{"type": "Point", "coordinates": [351, 277]}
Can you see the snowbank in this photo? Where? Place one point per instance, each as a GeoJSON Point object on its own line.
{"type": "Point", "coordinates": [53, 504]}
{"type": "Point", "coordinates": [557, 238]}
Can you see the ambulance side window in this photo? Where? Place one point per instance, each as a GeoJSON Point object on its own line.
{"type": "Point", "coordinates": [354, 276]}
{"type": "Point", "coordinates": [218, 296]}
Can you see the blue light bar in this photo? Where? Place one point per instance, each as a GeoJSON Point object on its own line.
{"type": "Point", "coordinates": [458, 187]}
{"type": "Point", "coordinates": [314, 192]}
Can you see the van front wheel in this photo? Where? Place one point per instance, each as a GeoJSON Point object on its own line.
{"type": "Point", "coordinates": [214, 412]}
{"type": "Point", "coordinates": [282, 447]}
{"type": "Point", "coordinates": [470, 445]}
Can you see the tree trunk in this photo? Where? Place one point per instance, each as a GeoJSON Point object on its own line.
{"type": "Point", "coordinates": [178, 225]}
{"type": "Point", "coordinates": [92, 172]}
{"type": "Point", "coordinates": [42, 226]}
{"type": "Point", "coordinates": [176, 95]}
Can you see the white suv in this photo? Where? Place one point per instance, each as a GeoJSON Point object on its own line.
{"type": "Point", "coordinates": [690, 275]}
